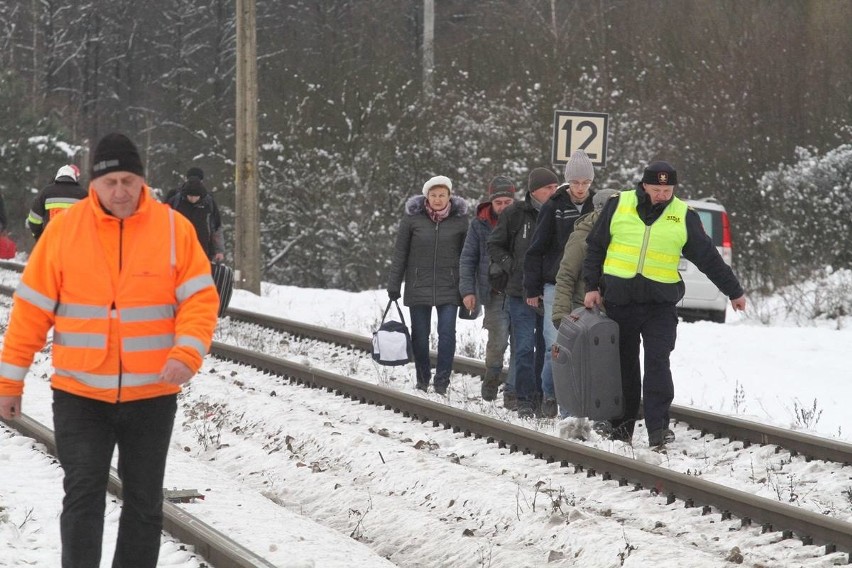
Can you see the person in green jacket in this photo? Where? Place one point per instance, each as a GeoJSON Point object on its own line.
{"type": "Point", "coordinates": [570, 289]}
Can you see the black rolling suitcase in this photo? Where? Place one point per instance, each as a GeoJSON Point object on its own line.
{"type": "Point", "coordinates": [587, 366]}
{"type": "Point", "coordinates": [223, 278]}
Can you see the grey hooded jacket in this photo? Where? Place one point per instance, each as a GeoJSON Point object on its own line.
{"type": "Point", "coordinates": [426, 254]}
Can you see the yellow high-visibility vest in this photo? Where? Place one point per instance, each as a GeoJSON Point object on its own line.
{"type": "Point", "coordinates": [650, 250]}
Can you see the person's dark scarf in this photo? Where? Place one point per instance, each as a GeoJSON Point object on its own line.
{"type": "Point", "coordinates": [648, 211]}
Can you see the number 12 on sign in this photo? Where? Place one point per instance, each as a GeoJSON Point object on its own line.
{"type": "Point", "coordinates": [574, 130]}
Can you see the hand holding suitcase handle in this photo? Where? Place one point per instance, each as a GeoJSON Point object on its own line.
{"type": "Point", "coordinates": [592, 299]}
{"type": "Point", "coordinates": [596, 309]}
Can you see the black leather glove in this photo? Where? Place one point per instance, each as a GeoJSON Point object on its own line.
{"type": "Point", "coordinates": [393, 295]}
{"type": "Point", "coordinates": [498, 277]}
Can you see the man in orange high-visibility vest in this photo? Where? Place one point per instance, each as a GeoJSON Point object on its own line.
{"type": "Point", "coordinates": [126, 287]}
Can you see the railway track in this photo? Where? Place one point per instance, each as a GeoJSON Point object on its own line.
{"type": "Point", "coordinates": [737, 430]}
{"type": "Point", "coordinates": [812, 528]}
{"type": "Point", "coordinates": [789, 521]}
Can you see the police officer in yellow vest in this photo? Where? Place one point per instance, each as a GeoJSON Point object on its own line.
{"type": "Point", "coordinates": [631, 267]}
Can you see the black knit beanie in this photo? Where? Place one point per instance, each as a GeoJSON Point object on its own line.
{"type": "Point", "coordinates": [541, 177]}
{"type": "Point", "coordinates": [116, 153]}
{"type": "Point", "coordinates": [195, 172]}
{"type": "Point", "coordinates": [193, 186]}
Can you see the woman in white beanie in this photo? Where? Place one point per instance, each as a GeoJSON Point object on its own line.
{"type": "Point", "coordinates": [428, 246]}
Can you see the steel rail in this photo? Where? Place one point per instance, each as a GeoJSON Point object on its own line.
{"type": "Point", "coordinates": [214, 546]}
{"type": "Point", "coordinates": [746, 431]}
{"type": "Point", "coordinates": [12, 265]}
{"type": "Point", "coordinates": [811, 527]}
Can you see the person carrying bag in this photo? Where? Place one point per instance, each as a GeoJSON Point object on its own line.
{"type": "Point", "coordinates": [392, 342]}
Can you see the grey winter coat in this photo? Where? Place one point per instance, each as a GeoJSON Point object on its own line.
{"type": "Point", "coordinates": [427, 254]}
{"type": "Point", "coordinates": [570, 288]}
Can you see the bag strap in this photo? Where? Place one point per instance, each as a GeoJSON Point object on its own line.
{"type": "Point", "coordinates": [398, 309]}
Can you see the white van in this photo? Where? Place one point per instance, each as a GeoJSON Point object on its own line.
{"type": "Point", "coordinates": [702, 300]}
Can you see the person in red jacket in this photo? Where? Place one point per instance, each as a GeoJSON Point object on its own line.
{"type": "Point", "coordinates": [126, 287]}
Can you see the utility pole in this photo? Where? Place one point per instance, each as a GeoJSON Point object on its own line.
{"type": "Point", "coordinates": [36, 61]}
{"type": "Point", "coordinates": [247, 220]}
{"type": "Point", "coordinates": [428, 46]}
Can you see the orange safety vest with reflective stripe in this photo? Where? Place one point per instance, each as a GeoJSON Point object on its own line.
{"type": "Point", "coordinates": [122, 295]}
{"type": "Point", "coordinates": [650, 250]}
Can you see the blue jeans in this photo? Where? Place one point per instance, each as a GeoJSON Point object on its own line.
{"type": "Point", "coordinates": [421, 325]}
{"type": "Point", "coordinates": [497, 323]}
{"type": "Point", "coordinates": [527, 343]}
{"type": "Point", "coordinates": [87, 432]}
{"type": "Point", "coordinates": [549, 333]}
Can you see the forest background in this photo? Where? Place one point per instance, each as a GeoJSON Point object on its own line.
{"type": "Point", "coordinates": [751, 100]}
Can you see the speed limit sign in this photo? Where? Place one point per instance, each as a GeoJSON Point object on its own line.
{"type": "Point", "coordinates": [574, 130]}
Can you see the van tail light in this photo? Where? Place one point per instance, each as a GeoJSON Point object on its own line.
{"type": "Point", "coordinates": [727, 253]}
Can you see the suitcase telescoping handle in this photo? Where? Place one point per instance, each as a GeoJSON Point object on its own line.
{"type": "Point", "coordinates": [398, 310]}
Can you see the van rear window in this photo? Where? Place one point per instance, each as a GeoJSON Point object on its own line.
{"type": "Point", "coordinates": [712, 221]}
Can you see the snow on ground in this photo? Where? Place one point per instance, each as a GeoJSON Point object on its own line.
{"type": "Point", "coordinates": [307, 479]}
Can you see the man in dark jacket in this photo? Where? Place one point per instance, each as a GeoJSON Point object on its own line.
{"type": "Point", "coordinates": [631, 267]}
{"type": "Point", "coordinates": [476, 289]}
{"type": "Point", "coordinates": [554, 226]}
{"type": "Point", "coordinates": [193, 172]}
{"type": "Point", "coordinates": [194, 202]}
{"type": "Point", "coordinates": [507, 246]}
{"type": "Point", "coordinates": [55, 198]}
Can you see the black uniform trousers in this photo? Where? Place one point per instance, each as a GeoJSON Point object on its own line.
{"type": "Point", "coordinates": [655, 326]}
{"type": "Point", "coordinates": [87, 432]}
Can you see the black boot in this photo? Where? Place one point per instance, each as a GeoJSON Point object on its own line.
{"type": "Point", "coordinates": [490, 384]}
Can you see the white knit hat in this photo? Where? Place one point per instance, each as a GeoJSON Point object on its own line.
{"type": "Point", "coordinates": [437, 180]}
{"type": "Point", "coordinates": [579, 167]}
